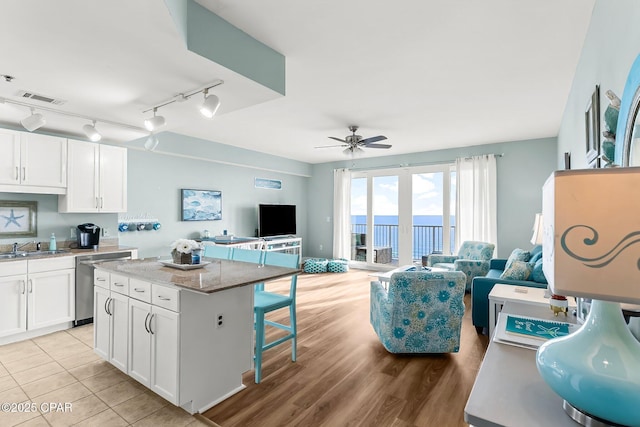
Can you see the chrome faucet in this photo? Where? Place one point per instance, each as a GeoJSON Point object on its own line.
{"type": "Point", "coordinates": [16, 247]}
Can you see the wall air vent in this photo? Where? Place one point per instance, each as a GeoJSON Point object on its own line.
{"type": "Point", "coordinates": [41, 98]}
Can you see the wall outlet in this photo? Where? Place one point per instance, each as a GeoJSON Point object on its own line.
{"type": "Point", "coordinates": [321, 247]}
{"type": "Point", "coordinates": [72, 233]}
{"type": "Point", "coordinates": [219, 320]}
{"type": "Point", "coordinates": [106, 232]}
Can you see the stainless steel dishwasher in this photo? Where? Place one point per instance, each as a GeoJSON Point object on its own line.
{"type": "Point", "coordinates": [84, 282]}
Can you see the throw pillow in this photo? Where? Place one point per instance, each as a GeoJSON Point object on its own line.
{"type": "Point", "coordinates": [517, 255]}
{"type": "Point", "coordinates": [537, 275]}
{"type": "Point", "coordinates": [518, 270]}
{"type": "Point", "coordinates": [535, 258]}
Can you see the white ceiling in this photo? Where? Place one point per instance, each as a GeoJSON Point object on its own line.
{"type": "Point", "coordinates": [428, 74]}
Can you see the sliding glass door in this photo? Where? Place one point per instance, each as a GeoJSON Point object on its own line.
{"type": "Point", "coordinates": [407, 213]}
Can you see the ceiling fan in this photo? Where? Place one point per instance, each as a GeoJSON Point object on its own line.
{"type": "Point", "coordinates": [354, 143]}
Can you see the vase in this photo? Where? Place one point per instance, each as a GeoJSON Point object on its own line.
{"type": "Point", "coordinates": [595, 369]}
{"type": "Point", "coordinates": [180, 258]}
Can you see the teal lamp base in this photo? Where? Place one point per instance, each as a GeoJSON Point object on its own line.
{"type": "Point", "coordinates": [596, 369]}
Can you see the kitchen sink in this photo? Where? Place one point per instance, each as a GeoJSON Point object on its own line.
{"type": "Point", "coordinates": [22, 254]}
{"type": "Point", "coordinates": [59, 251]}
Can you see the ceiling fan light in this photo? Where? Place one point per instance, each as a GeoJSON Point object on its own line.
{"type": "Point", "coordinates": [210, 106]}
{"type": "Point", "coordinates": [33, 121]}
{"type": "Point", "coordinates": [91, 132]}
{"type": "Point", "coordinates": [154, 122]}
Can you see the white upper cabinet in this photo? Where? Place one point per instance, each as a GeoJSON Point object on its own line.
{"type": "Point", "coordinates": [97, 178]}
{"type": "Point", "coordinates": [32, 163]}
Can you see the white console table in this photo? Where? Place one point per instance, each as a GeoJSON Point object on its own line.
{"type": "Point", "coordinates": [509, 391]}
{"type": "Point", "coordinates": [289, 245]}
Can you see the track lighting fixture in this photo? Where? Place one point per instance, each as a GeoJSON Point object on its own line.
{"type": "Point", "coordinates": [36, 120]}
{"type": "Point", "coordinates": [91, 132]}
{"type": "Point", "coordinates": [154, 122]}
{"type": "Point", "coordinates": [210, 105]}
{"type": "Point", "coordinates": [33, 121]}
{"type": "Point", "coordinates": [208, 108]}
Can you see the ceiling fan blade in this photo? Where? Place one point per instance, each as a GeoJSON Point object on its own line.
{"type": "Point", "coordinates": [378, 146]}
{"type": "Point", "coordinates": [368, 141]}
{"type": "Point", "coordinates": [331, 146]}
{"type": "Point", "coordinates": [338, 139]}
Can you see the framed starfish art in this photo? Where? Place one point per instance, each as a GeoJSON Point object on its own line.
{"type": "Point", "coordinates": [18, 219]}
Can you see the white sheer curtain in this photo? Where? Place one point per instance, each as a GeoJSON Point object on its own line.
{"type": "Point", "coordinates": [476, 218]}
{"type": "Point", "coordinates": [342, 213]}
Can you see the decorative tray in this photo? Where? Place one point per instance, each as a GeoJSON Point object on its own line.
{"type": "Point", "coordinates": [184, 266]}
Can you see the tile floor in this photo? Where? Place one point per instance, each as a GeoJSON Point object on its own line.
{"type": "Point", "coordinates": [62, 368]}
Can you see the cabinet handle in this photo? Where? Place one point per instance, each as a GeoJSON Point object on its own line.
{"type": "Point", "coordinates": [106, 306]}
{"type": "Point", "coordinates": [96, 203]}
{"type": "Point", "coordinates": [100, 279]}
{"type": "Point", "coordinates": [150, 319]}
{"type": "Point", "coordinates": [101, 202]}
{"type": "Point", "coordinates": [17, 173]}
{"type": "Point", "coordinates": [24, 173]}
{"type": "Point", "coordinates": [23, 287]}
{"type": "Point", "coordinates": [145, 323]}
{"type": "Point", "coordinates": [118, 284]}
{"type": "Point", "coordinates": [139, 289]}
{"type": "Point", "coordinates": [30, 286]}
{"type": "Point", "coordinates": [160, 297]}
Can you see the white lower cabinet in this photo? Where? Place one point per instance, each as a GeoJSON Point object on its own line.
{"type": "Point", "coordinates": [13, 297]}
{"type": "Point", "coordinates": [111, 321]}
{"type": "Point", "coordinates": [153, 348]}
{"type": "Point", "coordinates": [173, 344]}
{"type": "Point", "coordinates": [41, 296]}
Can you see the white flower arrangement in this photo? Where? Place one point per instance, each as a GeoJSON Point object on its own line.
{"type": "Point", "coordinates": [185, 246]}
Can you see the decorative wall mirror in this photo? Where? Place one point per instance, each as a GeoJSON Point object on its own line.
{"type": "Point", "coordinates": [628, 129]}
{"type": "Point", "coordinates": [631, 141]}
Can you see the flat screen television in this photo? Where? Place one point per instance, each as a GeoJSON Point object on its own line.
{"type": "Point", "coordinates": [276, 220]}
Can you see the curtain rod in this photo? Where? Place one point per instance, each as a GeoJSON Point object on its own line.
{"type": "Point", "coordinates": [405, 165]}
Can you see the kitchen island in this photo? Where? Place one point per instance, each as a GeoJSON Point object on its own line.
{"type": "Point", "coordinates": [185, 334]}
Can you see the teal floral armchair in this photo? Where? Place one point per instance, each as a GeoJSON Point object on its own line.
{"type": "Point", "coordinates": [420, 313]}
{"type": "Point", "coordinates": [472, 259]}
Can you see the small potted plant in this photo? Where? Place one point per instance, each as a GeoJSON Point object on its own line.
{"type": "Point", "coordinates": [182, 249]}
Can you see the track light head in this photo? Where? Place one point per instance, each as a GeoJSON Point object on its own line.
{"type": "Point", "coordinates": [210, 105]}
{"type": "Point", "coordinates": [151, 143]}
{"type": "Point", "coordinates": [154, 122]}
{"type": "Point", "coordinates": [91, 132]}
{"type": "Point", "coordinates": [33, 121]}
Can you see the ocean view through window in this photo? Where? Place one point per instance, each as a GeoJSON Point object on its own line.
{"type": "Point", "coordinates": [400, 215]}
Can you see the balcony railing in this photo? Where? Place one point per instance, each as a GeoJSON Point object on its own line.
{"type": "Point", "coordinates": [426, 238]}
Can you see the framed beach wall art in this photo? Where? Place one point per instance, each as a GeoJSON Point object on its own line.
{"type": "Point", "coordinates": [592, 129]}
{"type": "Point", "coordinates": [18, 219]}
{"type": "Point", "coordinates": [201, 205]}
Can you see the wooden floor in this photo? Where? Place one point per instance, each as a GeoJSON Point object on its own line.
{"type": "Point", "coordinates": [344, 376]}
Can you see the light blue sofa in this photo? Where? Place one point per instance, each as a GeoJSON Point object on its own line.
{"type": "Point", "coordinates": [472, 259]}
{"type": "Point", "coordinates": [420, 313]}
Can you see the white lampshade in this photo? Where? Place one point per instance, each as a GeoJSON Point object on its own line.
{"type": "Point", "coordinates": [33, 121]}
{"type": "Point", "coordinates": [210, 106]}
{"type": "Point", "coordinates": [592, 233]}
{"type": "Point", "coordinates": [536, 238]}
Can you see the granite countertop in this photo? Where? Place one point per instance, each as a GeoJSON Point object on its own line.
{"type": "Point", "coordinates": [216, 276]}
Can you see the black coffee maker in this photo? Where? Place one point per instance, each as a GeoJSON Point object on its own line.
{"type": "Point", "coordinates": [88, 236]}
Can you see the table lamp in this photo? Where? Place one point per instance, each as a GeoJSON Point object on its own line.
{"type": "Point", "coordinates": [591, 249]}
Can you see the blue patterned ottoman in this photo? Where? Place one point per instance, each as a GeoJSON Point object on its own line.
{"type": "Point", "coordinates": [338, 266]}
{"type": "Point", "coordinates": [316, 265]}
